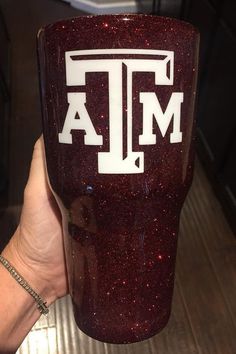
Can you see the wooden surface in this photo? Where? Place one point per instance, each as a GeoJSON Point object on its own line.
{"type": "Point", "coordinates": [204, 306]}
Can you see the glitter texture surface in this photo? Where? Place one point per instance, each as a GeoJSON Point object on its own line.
{"type": "Point", "coordinates": [120, 230]}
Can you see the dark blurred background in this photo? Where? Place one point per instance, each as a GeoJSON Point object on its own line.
{"type": "Point", "coordinates": [215, 110]}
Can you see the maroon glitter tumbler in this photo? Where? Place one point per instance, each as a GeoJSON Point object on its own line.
{"type": "Point", "coordinates": [118, 100]}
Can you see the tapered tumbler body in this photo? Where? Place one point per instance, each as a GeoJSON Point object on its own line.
{"type": "Point", "coordinates": [118, 122]}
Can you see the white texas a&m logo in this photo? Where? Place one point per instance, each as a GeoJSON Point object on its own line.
{"type": "Point", "coordinates": [77, 117]}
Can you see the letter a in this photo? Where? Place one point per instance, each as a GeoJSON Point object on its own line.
{"type": "Point", "coordinates": [77, 102]}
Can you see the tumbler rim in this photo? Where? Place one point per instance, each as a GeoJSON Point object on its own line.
{"type": "Point", "coordinates": [128, 16]}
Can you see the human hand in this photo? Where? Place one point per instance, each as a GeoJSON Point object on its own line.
{"type": "Point", "coordinates": [36, 249]}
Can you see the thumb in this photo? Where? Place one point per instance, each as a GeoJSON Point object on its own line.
{"type": "Point", "coordinates": [37, 185]}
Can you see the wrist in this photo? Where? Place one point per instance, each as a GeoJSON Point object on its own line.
{"type": "Point", "coordinates": [30, 272]}
{"type": "Point", "coordinates": [18, 309]}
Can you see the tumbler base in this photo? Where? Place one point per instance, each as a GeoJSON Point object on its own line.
{"type": "Point", "coordinates": [117, 335]}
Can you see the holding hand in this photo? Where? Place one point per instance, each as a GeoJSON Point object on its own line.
{"type": "Point", "coordinates": [36, 251]}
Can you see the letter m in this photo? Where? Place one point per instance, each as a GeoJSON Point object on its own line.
{"type": "Point", "coordinates": [152, 109]}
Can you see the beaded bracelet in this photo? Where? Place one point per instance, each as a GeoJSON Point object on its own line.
{"type": "Point", "coordinates": [41, 305]}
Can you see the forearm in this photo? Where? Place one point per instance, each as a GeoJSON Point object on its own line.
{"type": "Point", "coordinates": [18, 310]}
{"type": "Point", "coordinates": [18, 313]}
